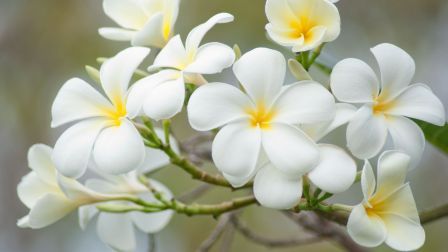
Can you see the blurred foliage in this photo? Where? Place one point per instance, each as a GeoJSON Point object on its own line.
{"type": "Point", "coordinates": [436, 135]}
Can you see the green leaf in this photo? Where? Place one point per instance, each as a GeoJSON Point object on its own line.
{"type": "Point", "coordinates": [436, 135]}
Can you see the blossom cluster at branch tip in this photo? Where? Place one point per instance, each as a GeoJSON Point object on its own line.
{"type": "Point", "coordinates": [267, 135]}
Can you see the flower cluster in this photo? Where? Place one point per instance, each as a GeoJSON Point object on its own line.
{"type": "Point", "coordinates": [266, 135]}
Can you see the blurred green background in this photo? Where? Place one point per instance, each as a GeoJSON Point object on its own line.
{"type": "Point", "coordinates": [44, 43]}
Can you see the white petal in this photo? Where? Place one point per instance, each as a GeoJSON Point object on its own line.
{"type": "Point", "coordinates": [39, 160]}
{"type": "Point", "coordinates": [194, 38]}
{"type": "Point", "coordinates": [31, 188]}
{"type": "Point", "coordinates": [212, 58]}
{"type": "Point", "coordinates": [126, 13]}
{"type": "Point", "coordinates": [368, 182]}
{"type": "Point", "coordinates": [279, 13]}
{"type": "Point", "coordinates": [366, 133]}
{"type": "Point", "coordinates": [403, 234]}
{"type": "Point", "coordinates": [216, 104]}
{"type": "Point", "coordinates": [236, 149]}
{"type": "Point", "coordinates": [275, 189]}
{"type": "Point", "coordinates": [401, 203]}
{"type": "Point", "coordinates": [117, 34]}
{"type": "Point", "coordinates": [289, 149]}
{"type": "Point", "coordinates": [151, 34]}
{"type": "Point", "coordinates": [49, 209]}
{"type": "Point", "coordinates": [106, 186]}
{"type": "Point", "coordinates": [165, 100]}
{"type": "Point", "coordinates": [418, 101]}
{"type": "Point", "coordinates": [282, 35]}
{"type": "Point", "coordinates": [117, 231]}
{"type": "Point", "coordinates": [304, 102]}
{"type": "Point", "coordinates": [76, 191]}
{"type": "Point", "coordinates": [77, 100]}
{"type": "Point", "coordinates": [140, 91]}
{"type": "Point", "coordinates": [72, 150]}
{"type": "Point", "coordinates": [336, 170]}
{"type": "Point", "coordinates": [261, 72]}
{"type": "Point", "coordinates": [119, 149]}
{"type": "Point", "coordinates": [407, 137]}
{"type": "Point", "coordinates": [354, 81]}
{"type": "Point", "coordinates": [366, 230]}
{"type": "Point", "coordinates": [344, 113]}
{"type": "Point", "coordinates": [392, 169]}
{"type": "Point", "coordinates": [116, 72]}
{"type": "Point", "coordinates": [397, 69]}
{"type": "Point", "coordinates": [239, 181]}
{"type": "Point", "coordinates": [86, 214]}
{"type": "Point", "coordinates": [315, 37]}
{"type": "Point", "coordinates": [172, 55]}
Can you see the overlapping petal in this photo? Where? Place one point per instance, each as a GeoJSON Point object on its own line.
{"type": "Point", "coordinates": [211, 58]}
{"type": "Point", "coordinates": [107, 226]}
{"type": "Point", "coordinates": [403, 234]}
{"type": "Point", "coordinates": [126, 13]}
{"type": "Point", "coordinates": [367, 230]}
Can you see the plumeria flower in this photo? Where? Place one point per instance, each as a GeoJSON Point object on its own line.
{"type": "Point", "coordinates": [302, 24]}
{"type": "Point", "coordinates": [48, 195]}
{"type": "Point", "coordinates": [388, 212]}
{"type": "Point", "coordinates": [143, 22]}
{"type": "Point", "coordinates": [335, 173]}
{"type": "Point", "coordinates": [261, 122]}
{"type": "Point", "coordinates": [386, 104]}
{"type": "Point", "coordinates": [162, 95]}
{"type": "Point", "coordinates": [103, 130]}
{"type": "Point", "coordinates": [117, 230]}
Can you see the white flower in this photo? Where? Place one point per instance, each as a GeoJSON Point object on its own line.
{"type": "Point", "coordinates": [262, 121]}
{"type": "Point", "coordinates": [302, 24]}
{"type": "Point", "coordinates": [117, 230]}
{"type": "Point", "coordinates": [144, 22]}
{"type": "Point", "coordinates": [387, 213]}
{"type": "Point", "coordinates": [49, 196]}
{"type": "Point", "coordinates": [385, 104]}
{"type": "Point", "coordinates": [335, 173]}
{"type": "Point", "coordinates": [104, 131]}
{"type": "Point", "coordinates": [162, 95]}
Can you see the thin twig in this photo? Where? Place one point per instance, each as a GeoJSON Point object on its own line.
{"type": "Point", "coordinates": [227, 239]}
{"type": "Point", "coordinates": [267, 241]}
{"type": "Point", "coordinates": [195, 193]}
{"type": "Point", "coordinates": [208, 243]}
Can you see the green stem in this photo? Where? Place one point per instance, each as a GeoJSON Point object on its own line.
{"type": "Point", "coordinates": [166, 131]}
{"type": "Point", "coordinates": [314, 55]}
{"type": "Point", "coordinates": [324, 68]}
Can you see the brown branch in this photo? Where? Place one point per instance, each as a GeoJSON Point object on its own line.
{"type": "Point", "coordinates": [434, 214]}
{"type": "Point", "coordinates": [269, 242]}
{"type": "Point", "coordinates": [195, 193]}
{"type": "Point", "coordinates": [207, 244]}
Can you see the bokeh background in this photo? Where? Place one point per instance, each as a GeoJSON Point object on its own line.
{"type": "Point", "coordinates": [44, 43]}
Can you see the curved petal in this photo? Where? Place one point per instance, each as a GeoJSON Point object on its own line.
{"type": "Point", "coordinates": [31, 188]}
{"type": "Point", "coordinates": [172, 55]}
{"type": "Point", "coordinates": [216, 104]}
{"type": "Point", "coordinates": [275, 189]}
{"type": "Point", "coordinates": [418, 101]}
{"type": "Point", "coordinates": [397, 69]}
{"type": "Point", "coordinates": [165, 100]}
{"type": "Point", "coordinates": [211, 58]}
{"type": "Point", "coordinates": [140, 91]}
{"type": "Point", "coordinates": [282, 36]}
{"type": "Point", "coordinates": [39, 160]}
{"type": "Point", "coordinates": [344, 113]}
{"type": "Point", "coordinates": [261, 72]}
{"type": "Point", "coordinates": [401, 203]}
{"type": "Point", "coordinates": [304, 102]}
{"type": "Point", "coordinates": [49, 209]}
{"type": "Point", "coordinates": [73, 149]}
{"type": "Point", "coordinates": [151, 34]}
{"type": "Point", "coordinates": [403, 234]}
{"type": "Point", "coordinates": [368, 182]}
{"type": "Point", "coordinates": [119, 149]}
{"type": "Point", "coordinates": [279, 13]}
{"type": "Point", "coordinates": [117, 34]}
{"type": "Point", "coordinates": [116, 72]}
{"type": "Point", "coordinates": [289, 149]}
{"type": "Point", "coordinates": [407, 137]}
{"type": "Point", "coordinates": [117, 231]}
{"type": "Point", "coordinates": [366, 133]}
{"type": "Point", "coordinates": [367, 230]}
{"type": "Point", "coordinates": [336, 171]}
{"type": "Point", "coordinates": [392, 169]}
{"type": "Point", "coordinates": [236, 149]}
{"type": "Point", "coordinates": [312, 39]}
{"type": "Point", "coordinates": [194, 38]}
{"type": "Point", "coordinates": [354, 81]}
{"type": "Point", "coordinates": [77, 100]}
{"type": "Point", "coordinates": [126, 13]}
{"type": "Point", "coordinates": [86, 214]}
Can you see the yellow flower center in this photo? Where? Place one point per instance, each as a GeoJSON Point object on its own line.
{"type": "Point", "coordinates": [118, 113]}
{"type": "Point", "coordinates": [380, 106]}
{"type": "Point", "coordinates": [302, 28]}
{"type": "Point", "coordinates": [260, 116]}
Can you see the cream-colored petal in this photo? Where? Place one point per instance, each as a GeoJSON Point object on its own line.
{"type": "Point", "coordinates": [366, 230]}
{"type": "Point", "coordinates": [392, 169]}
